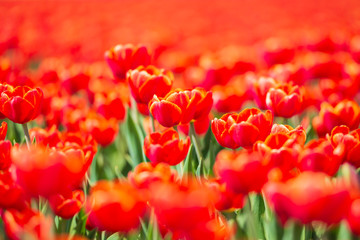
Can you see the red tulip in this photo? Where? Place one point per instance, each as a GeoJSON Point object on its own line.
{"type": "Point", "coordinates": [243, 171]}
{"type": "Point", "coordinates": [122, 58]}
{"type": "Point", "coordinates": [346, 144]}
{"type": "Point", "coordinates": [308, 197]}
{"type": "Point", "coordinates": [261, 87]}
{"type": "Point", "coordinates": [282, 148]}
{"type": "Point", "coordinates": [115, 207]}
{"type": "Point", "coordinates": [277, 52]}
{"type": "Point", "coordinates": [234, 130]}
{"type": "Point", "coordinates": [110, 105]}
{"type": "Point", "coordinates": [5, 159]}
{"type": "Point", "coordinates": [68, 204]}
{"type": "Point", "coordinates": [12, 195]}
{"type": "Point", "coordinates": [3, 88]}
{"type": "Point", "coordinates": [353, 217]}
{"type": "Point", "coordinates": [145, 82]}
{"type": "Point", "coordinates": [284, 100]}
{"type": "Point", "coordinates": [3, 130]}
{"type": "Point", "coordinates": [231, 97]}
{"type": "Point", "coordinates": [21, 104]}
{"type": "Point", "coordinates": [27, 224]}
{"type": "Point", "coordinates": [345, 112]}
{"type": "Point", "coordinates": [227, 200]}
{"type": "Point", "coordinates": [318, 156]}
{"type": "Point", "coordinates": [166, 147]}
{"type": "Point", "coordinates": [103, 130]}
{"type": "Point", "coordinates": [45, 172]}
{"type": "Point", "coordinates": [180, 107]}
{"type": "Point", "coordinates": [146, 173]}
{"type": "Point", "coordinates": [201, 126]}
{"type": "Point", "coordinates": [182, 208]}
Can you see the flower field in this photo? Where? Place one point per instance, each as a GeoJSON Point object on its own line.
{"type": "Point", "coordinates": [184, 120]}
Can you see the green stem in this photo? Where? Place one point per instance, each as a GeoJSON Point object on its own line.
{"type": "Point", "coordinates": [27, 135]}
{"type": "Point", "coordinates": [194, 141]}
{"type": "Point", "coordinates": [152, 123]}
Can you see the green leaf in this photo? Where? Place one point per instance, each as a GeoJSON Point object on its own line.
{"type": "Point", "coordinates": [134, 139]}
{"type": "Point", "coordinates": [292, 230]}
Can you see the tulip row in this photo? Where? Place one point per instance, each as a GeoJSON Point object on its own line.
{"type": "Point", "coordinates": [128, 152]}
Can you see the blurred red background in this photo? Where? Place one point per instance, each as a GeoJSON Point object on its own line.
{"type": "Point", "coordinates": [85, 29]}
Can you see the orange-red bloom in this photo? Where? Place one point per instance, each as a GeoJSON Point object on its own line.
{"type": "Point", "coordinates": [145, 82]}
{"type": "Point", "coordinates": [45, 172]}
{"type": "Point", "coordinates": [5, 159]}
{"type": "Point", "coordinates": [184, 208]}
{"type": "Point", "coordinates": [278, 52]}
{"type": "Point", "coordinates": [282, 148]}
{"type": "Point", "coordinates": [345, 112]}
{"type": "Point", "coordinates": [261, 87]}
{"type": "Point", "coordinates": [146, 173]}
{"type": "Point", "coordinates": [12, 195]}
{"type": "Point", "coordinates": [242, 171]}
{"type": "Point", "coordinates": [230, 97]}
{"type": "Point", "coordinates": [115, 207]}
{"type": "Point", "coordinates": [309, 197]}
{"type": "Point", "coordinates": [110, 105]}
{"type": "Point", "coordinates": [3, 130]}
{"type": "Point", "coordinates": [318, 156]}
{"type": "Point", "coordinates": [166, 147]}
{"type": "Point", "coordinates": [103, 130]}
{"type": "Point", "coordinates": [21, 104]}
{"type": "Point", "coordinates": [234, 130]}
{"type": "Point", "coordinates": [227, 200]}
{"type": "Point", "coordinates": [353, 217]}
{"type": "Point", "coordinates": [122, 58]}
{"type": "Point", "coordinates": [27, 224]}
{"type": "Point", "coordinates": [284, 100]}
{"type": "Point", "coordinates": [3, 88]}
{"type": "Point", "coordinates": [180, 107]}
{"type": "Point", "coordinates": [68, 204]}
{"type": "Point", "coordinates": [346, 144]}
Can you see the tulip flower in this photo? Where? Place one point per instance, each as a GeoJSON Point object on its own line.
{"type": "Point", "coordinates": [3, 130]}
{"type": "Point", "coordinates": [181, 107]}
{"type": "Point", "coordinates": [284, 100]}
{"type": "Point", "coordinates": [110, 105]}
{"type": "Point", "coordinates": [68, 204]}
{"type": "Point", "coordinates": [201, 126]}
{"type": "Point", "coordinates": [234, 130]}
{"type": "Point", "coordinates": [353, 217]}
{"type": "Point", "coordinates": [182, 208]}
{"type": "Point", "coordinates": [231, 97]}
{"type": "Point", "coordinates": [115, 207]}
{"type": "Point", "coordinates": [318, 156]}
{"type": "Point", "coordinates": [299, 198]}
{"type": "Point", "coordinates": [27, 224]}
{"type": "Point", "coordinates": [282, 148]}
{"type": "Point", "coordinates": [12, 195]}
{"type": "Point", "coordinates": [146, 173]}
{"type": "Point", "coordinates": [166, 147]}
{"type": "Point", "coordinates": [227, 200]}
{"type": "Point", "coordinates": [345, 112]}
{"type": "Point", "coordinates": [346, 144]}
{"type": "Point", "coordinates": [21, 104]}
{"type": "Point", "coordinates": [122, 58]}
{"type": "Point", "coordinates": [243, 171]}
{"type": "Point", "coordinates": [277, 52]}
{"type": "Point", "coordinates": [103, 130]}
{"type": "Point", "coordinates": [5, 159]}
{"type": "Point", "coordinates": [3, 88]}
{"type": "Point", "coordinates": [42, 171]}
{"type": "Point", "coordinates": [144, 82]}
{"type": "Point", "coordinates": [261, 87]}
